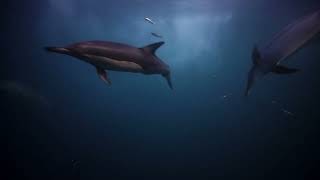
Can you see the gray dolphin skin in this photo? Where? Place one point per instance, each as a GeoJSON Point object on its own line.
{"type": "Point", "coordinates": [104, 55]}
{"type": "Point", "coordinates": [284, 44]}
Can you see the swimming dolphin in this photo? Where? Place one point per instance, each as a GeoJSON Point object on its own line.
{"type": "Point", "coordinates": [284, 44]}
{"type": "Point", "coordinates": [104, 55]}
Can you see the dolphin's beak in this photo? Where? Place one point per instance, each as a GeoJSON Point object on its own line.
{"type": "Point", "coordinates": [57, 50]}
{"type": "Point", "coordinates": [168, 78]}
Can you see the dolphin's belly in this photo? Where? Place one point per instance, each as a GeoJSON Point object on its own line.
{"type": "Point", "coordinates": [113, 64]}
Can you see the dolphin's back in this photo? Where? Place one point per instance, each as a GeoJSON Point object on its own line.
{"type": "Point", "coordinates": [117, 51]}
{"type": "Point", "coordinates": [293, 37]}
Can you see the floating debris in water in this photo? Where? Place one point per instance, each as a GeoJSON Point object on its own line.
{"type": "Point", "coordinates": [149, 20]}
{"type": "Point", "coordinates": [226, 96]}
{"type": "Point", "coordinates": [213, 76]}
{"type": "Point", "coordinates": [287, 112]}
{"type": "Point", "coordinates": [283, 110]}
{"type": "Point", "coordinates": [156, 35]}
{"type": "Point", "coordinates": [75, 163]}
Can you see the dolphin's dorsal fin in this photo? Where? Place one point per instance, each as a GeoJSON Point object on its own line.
{"type": "Point", "coordinates": [255, 55]}
{"type": "Point", "coordinates": [152, 47]}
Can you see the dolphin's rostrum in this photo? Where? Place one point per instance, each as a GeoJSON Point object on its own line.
{"type": "Point", "coordinates": [104, 55]}
{"type": "Point", "coordinates": [292, 38]}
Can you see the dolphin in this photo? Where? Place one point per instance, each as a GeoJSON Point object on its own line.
{"type": "Point", "coordinates": [105, 55]}
{"type": "Point", "coordinates": [284, 44]}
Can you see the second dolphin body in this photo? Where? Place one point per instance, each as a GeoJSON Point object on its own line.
{"type": "Point", "coordinates": [293, 37]}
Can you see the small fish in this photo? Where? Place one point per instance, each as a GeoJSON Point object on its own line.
{"type": "Point", "coordinates": [149, 20]}
{"type": "Point", "coordinates": [156, 35]}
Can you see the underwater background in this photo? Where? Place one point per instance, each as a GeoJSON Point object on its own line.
{"type": "Point", "coordinates": [60, 121]}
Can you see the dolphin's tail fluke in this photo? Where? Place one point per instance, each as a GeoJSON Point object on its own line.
{"type": "Point", "coordinates": [168, 78]}
{"type": "Point", "coordinates": [253, 75]}
{"type": "Point", "coordinates": [250, 82]}
{"type": "Point", "coordinates": [57, 50]}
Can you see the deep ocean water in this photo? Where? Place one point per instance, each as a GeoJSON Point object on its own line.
{"type": "Point", "coordinates": [61, 121]}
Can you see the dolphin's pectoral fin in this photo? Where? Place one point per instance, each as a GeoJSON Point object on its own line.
{"type": "Point", "coordinates": [283, 70]}
{"type": "Point", "coordinates": [103, 75]}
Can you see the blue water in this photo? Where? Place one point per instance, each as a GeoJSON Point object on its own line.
{"type": "Point", "coordinates": [56, 111]}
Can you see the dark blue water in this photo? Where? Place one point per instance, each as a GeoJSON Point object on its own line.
{"type": "Point", "coordinates": [61, 121]}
